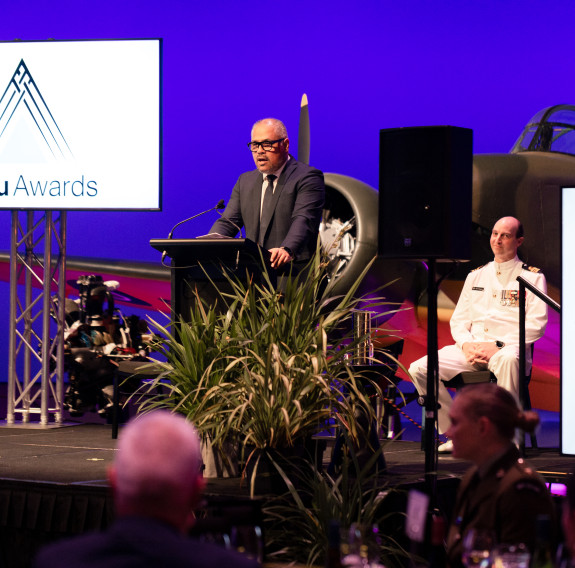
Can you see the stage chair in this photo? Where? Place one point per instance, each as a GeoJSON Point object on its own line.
{"type": "Point", "coordinates": [474, 377]}
{"type": "Point", "coordinates": [470, 378]}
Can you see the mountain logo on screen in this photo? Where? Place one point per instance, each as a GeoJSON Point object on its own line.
{"type": "Point", "coordinates": [28, 131]}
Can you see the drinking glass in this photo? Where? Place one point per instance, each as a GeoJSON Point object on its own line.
{"type": "Point", "coordinates": [248, 539]}
{"type": "Point", "coordinates": [360, 546]}
{"type": "Point", "coordinates": [511, 556]}
{"type": "Point", "coordinates": [477, 547]}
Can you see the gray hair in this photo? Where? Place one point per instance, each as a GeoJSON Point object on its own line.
{"type": "Point", "coordinates": [158, 455]}
{"type": "Point", "coordinates": [279, 126]}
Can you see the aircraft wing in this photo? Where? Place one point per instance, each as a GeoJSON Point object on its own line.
{"type": "Point", "coordinates": [144, 285]}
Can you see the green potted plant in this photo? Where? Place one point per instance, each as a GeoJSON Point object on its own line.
{"type": "Point", "coordinates": [271, 369]}
{"type": "Point", "coordinates": [192, 358]}
{"type": "Point", "coordinates": [298, 523]}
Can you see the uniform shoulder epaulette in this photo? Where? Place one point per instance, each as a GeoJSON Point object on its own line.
{"type": "Point", "coordinates": [528, 485]}
{"type": "Point", "coordinates": [478, 268]}
{"type": "Point", "coordinates": [530, 268]}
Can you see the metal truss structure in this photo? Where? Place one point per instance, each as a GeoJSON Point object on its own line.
{"type": "Point", "coordinates": [37, 316]}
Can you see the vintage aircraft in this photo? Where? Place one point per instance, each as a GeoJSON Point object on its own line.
{"type": "Point", "coordinates": [525, 183]}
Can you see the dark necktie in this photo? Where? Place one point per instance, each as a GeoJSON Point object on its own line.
{"type": "Point", "coordinates": [266, 206]}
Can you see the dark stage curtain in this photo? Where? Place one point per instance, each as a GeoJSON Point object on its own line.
{"type": "Point", "coordinates": [33, 514]}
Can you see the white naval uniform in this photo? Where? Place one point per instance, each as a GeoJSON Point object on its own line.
{"type": "Point", "coordinates": [488, 310]}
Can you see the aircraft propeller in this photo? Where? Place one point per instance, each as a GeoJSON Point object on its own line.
{"type": "Point", "coordinates": [303, 138]}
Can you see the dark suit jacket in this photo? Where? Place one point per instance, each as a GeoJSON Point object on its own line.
{"type": "Point", "coordinates": [506, 500]}
{"type": "Point", "coordinates": [134, 541]}
{"type": "Point", "coordinates": [298, 202]}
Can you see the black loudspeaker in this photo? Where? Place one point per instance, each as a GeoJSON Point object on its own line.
{"type": "Point", "coordinates": [425, 184]}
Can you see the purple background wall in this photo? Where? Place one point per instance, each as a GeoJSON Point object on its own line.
{"type": "Point", "coordinates": [487, 65]}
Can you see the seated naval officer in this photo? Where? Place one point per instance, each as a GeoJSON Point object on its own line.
{"type": "Point", "coordinates": [485, 322]}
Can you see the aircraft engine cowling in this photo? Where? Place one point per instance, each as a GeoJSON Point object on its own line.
{"type": "Point", "coordinates": [349, 233]}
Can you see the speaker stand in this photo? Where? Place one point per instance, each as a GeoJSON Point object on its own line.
{"type": "Point", "coordinates": [432, 385]}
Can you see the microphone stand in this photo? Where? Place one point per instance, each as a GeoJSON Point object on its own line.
{"type": "Point", "coordinates": [234, 225]}
{"type": "Point", "coordinates": [220, 205]}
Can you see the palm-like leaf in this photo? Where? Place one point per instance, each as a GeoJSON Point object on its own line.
{"type": "Point", "coordinates": [269, 369]}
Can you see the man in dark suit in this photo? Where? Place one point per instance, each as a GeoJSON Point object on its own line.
{"type": "Point", "coordinates": [157, 482]}
{"type": "Point", "coordinates": [282, 212]}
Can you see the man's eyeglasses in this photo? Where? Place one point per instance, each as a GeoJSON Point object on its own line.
{"type": "Point", "coordinates": [266, 145]}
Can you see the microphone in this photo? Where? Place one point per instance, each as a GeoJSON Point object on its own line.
{"type": "Point", "coordinates": [219, 205]}
{"type": "Point", "coordinates": [231, 223]}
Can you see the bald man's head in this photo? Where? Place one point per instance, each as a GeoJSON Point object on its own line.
{"type": "Point", "coordinates": [506, 238]}
{"type": "Point", "coordinates": [157, 471]}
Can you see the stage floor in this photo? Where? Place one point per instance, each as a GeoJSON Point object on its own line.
{"type": "Point", "coordinates": [80, 454]}
{"type": "Point", "coordinates": [80, 451]}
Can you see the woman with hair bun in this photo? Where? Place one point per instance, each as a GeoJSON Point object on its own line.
{"type": "Point", "coordinates": [500, 493]}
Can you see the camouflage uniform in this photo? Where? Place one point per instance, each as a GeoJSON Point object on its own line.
{"type": "Point", "coordinates": [505, 498]}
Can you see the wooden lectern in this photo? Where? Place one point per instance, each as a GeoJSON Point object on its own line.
{"type": "Point", "coordinates": [204, 264]}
